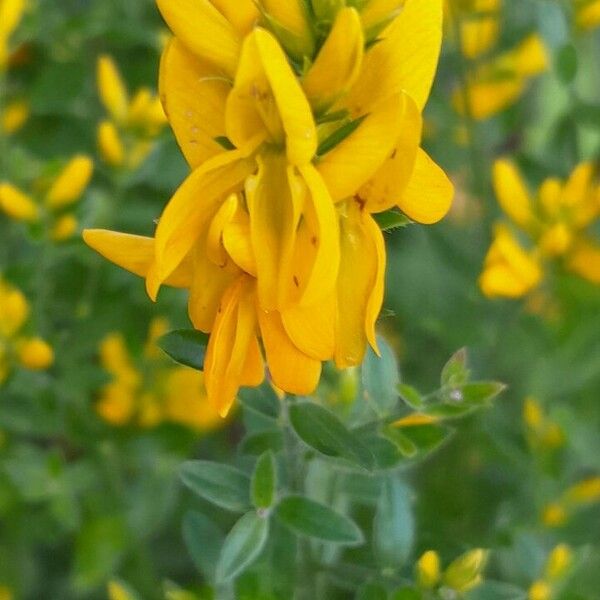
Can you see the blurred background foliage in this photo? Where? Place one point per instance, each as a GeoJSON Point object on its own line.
{"type": "Point", "coordinates": [88, 498]}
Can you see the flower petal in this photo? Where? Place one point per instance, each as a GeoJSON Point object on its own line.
{"type": "Point", "coordinates": [134, 253]}
{"type": "Point", "coordinates": [428, 196]}
{"type": "Point", "coordinates": [404, 60]}
{"type": "Point", "coordinates": [242, 14]}
{"type": "Point", "coordinates": [113, 92]}
{"type": "Point", "coordinates": [357, 158]}
{"type": "Point", "coordinates": [254, 367]}
{"type": "Point", "coordinates": [584, 260]}
{"type": "Point", "coordinates": [512, 193]}
{"type": "Point", "coordinates": [16, 204]}
{"type": "Point", "coordinates": [375, 300]}
{"type": "Point", "coordinates": [238, 243]}
{"type": "Point", "coordinates": [338, 63]}
{"type": "Point", "coordinates": [204, 31]}
{"type": "Point", "coordinates": [387, 186]}
{"type": "Point", "coordinates": [230, 343]}
{"type": "Point", "coordinates": [193, 205]}
{"type": "Point", "coordinates": [193, 98]}
{"type": "Point", "coordinates": [291, 370]}
{"type": "Point", "coordinates": [71, 182]}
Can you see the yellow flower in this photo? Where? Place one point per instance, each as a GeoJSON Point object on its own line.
{"type": "Point", "coordinates": [14, 117]}
{"type": "Point", "coordinates": [559, 562]}
{"type": "Point", "coordinates": [15, 349]}
{"type": "Point", "coordinates": [557, 218]}
{"type": "Point", "coordinates": [587, 14]}
{"type": "Point", "coordinates": [465, 572]}
{"type": "Point", "coordinates": [151, 391]}
{"type": "Point", "coordinates": [290, 162]}
{"type": "Point", "coordinates": [11, 13]}
{"type": "Point", "coordinates": [126, 138]}
{"type": "Point", "coordinates": [499, 82]}
{"type": "Point", "coordinates": [65, 189]}
{"type": "Point", "coordinates": [584, 492]}
{"type": "Point", "coordinates": [540, 590]}
{"type": "Point", "coordinates": [428, 570]}
{"type": "Point", "coordinates": [542, 432]}
{"type": "Point", "coordinates": [554, 515]}
{"type": "Point", "coordinates": [477, 23]}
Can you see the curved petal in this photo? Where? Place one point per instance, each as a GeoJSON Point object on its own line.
{"type": "Point", "coordinates": [238, 243]}
{"type": "Point", "coordinates": [375, 300]}
{"type": "Point", "coordinates": [584, 260]}
{"type": "Point", "coordinates": [290, 369]}
{"type": "Point", "coordinates": [242, 14]}
{"type": "Point", "coordinates": [358, 278]}
{"type": "Point", "coordinates": [512, 193]}
{"type": "Point", "coordinates": [428, 196]}
{"type": "Point", "coordinates": [229, 345]}
{"type": "Point", "coordinates": [253, 373]}
{"type": "Point", "coordinates": [71, 182]}
{"type": "Point", "coordinates": [134, 253]}
{"type": "Point", "coordinates": [215, 250]}
{"type": "Point", "coordinates": [312, 328]}
{"type": "Point", "coordinates": [192, 206]}
{"type": "Point", "coordinates": [111, 88]}
{"type": "Point", "coordinates": [274, 211]}
{"type": "Point", "coordinates": [404, 60]}
{"type": "Point", "coordinates": [193, 97]}
{"type": "Point", "coordinates": [387, 186]}
{"type": "Point", "coordinates": [203, 30]}
{"type": "Point", "coordinates": [356, 159]}
{"type": "Point", "coordinates": [338, 63]}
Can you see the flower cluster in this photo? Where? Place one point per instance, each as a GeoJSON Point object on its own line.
{"type": "Point", "coordinates": [494, 82]}
{"type": "Point", "coordinates": [152, 390]}
{"type": "Point", "coordinates": [461, 575]}
{"type": "Point", "coordinates": [556, 569]}
{"type": "Point", "coordinates": [126, 138]}
{"type": "Point", "coordinates": [52, 201]}
{"type": "Point", "coordinates": [556, 223]}
{"type": "Point", "coordinates": [16, 347]}
{"type": "Point", "coordinates": [577, 497]}
{"type": "Point", "coordinates": [297, 127]}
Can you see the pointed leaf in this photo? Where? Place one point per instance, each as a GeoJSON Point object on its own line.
{"type": "Point", "coordinates": [185, 346]}
{"type": "Point", "coordinates": [380, 379]}
{"type": "Point", "coordinates": [264, 481]}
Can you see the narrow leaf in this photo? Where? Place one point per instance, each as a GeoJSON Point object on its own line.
{"type": "Point", "coordinates": [315, 520]}
{"type": "Point", "coordinates": [185, 346]}
{"type": "Point", "coordinates": [242, 546]}
{"type": "Point", "coordinates": [391, 219]}
{"type": "Point", "coordinates": [380, 379]}
{"type": "Point", "coordinates": [264, 481]}
{"type": "Point", "coordinates": [203, 540]}
{"type": "Point", "coordinates": [220, 484]}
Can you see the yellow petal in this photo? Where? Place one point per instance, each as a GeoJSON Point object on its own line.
{"type": "Point", "coordinates": [578, 190]}
{"type": "Point", "coordinates": [64, 228]}
{"type": "Point", "coordinates": [192, 206]}
{"type": "Point", "coordinates": [215, 250]}
{"type": "Point", "coordinates": [290, 369]}
{"type": "Point", "coordinates": [16, 204]}
{"type": "Point", "coordinates": [358, 281]}
{"type": "Point", "coordinates": [375, 300]}
{"type": "Point", "coordinates": [238, 243]}
{"type": "Point", "coordinates": [357, 158]}
{"type": "Point", "coordinates": [428, 196]}
{"type": "Point", "coordinates": [14, 310]}
{"type": "Point", "coordinates": [253, 373]}
{"type": "Point", "coordinates": [584, 260]}
{"type": "Point", "coordinates": [479, 34]}
{"type": "Point", "coordinates": [35, 354]}
{"type": "Point", "coordinates": [14, 117]}
{"type": "Point", "coordinates": [312, 328]}
{"type": "Point", "coordinates": [242, 14]}
{"type": "Point", "coordinates": [134, 253]}
{"type": "Point", "coordinates": [387, 186]}
{"type": "Point", "coordinates": [204, 31]}
{"type": "Point", "coordinates": [487, 98]}
{"type": "Point", "coordinates": [230, 342]}
{"type": "Point", "coordinates": [11, 13]}
{"type": "Point", "coordinates": [71, 182]}
{"type": "Point", "coordinates": [587, 15]}
{"type": "Point", "coordinates": [274, 211]}
{"type": "Point", "coordinates": [512, 193]}
{"type": "Point", "coordinates": [194, 99]}
{"type": "Point", "coordinates": [378, 13]}
{"type": "Point", "coordinates": [404, 60]}
{"type": "Point", "coordinates": [317, 245]}
{"type": "Point", "coordinates": [530, 56]}
{"type": "Point", "coordinates": [110, 145]}
{"type": "Point", "coordinates": [111, 88]}
{"type": "Point", "coordinates": [338, 63]}
{"type": "Point", "coordinates": [550, 195]}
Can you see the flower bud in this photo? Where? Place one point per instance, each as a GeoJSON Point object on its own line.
{"type": "Point", "coordinates": [16, 204]}
{"type": "Point", "coordinates": [110, 145]}
{"type": "Point", "coordinates": [14, 310]}
{"type": "Point", "coordinates": [64, 228]}
{"type": "Point", "coordinates": [559, 562]}
{"type": "Point", "coordinates": [540, 590]}
{"type": "Point", "coordinates": [428, 570]}
{"type": "Point", "coordinates": [35, 354]}
{"type": "Point", "coordinates": [111, 88]}
{"type": "Point", "coordinates": [465, 572]}
{"type": "Point", "coordinates": [71, 182]}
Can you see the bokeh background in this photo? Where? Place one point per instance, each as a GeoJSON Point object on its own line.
{"type": "Point", "coordinates": [94, 419]}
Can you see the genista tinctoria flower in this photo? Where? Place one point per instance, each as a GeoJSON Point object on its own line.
{"type": "Point", "coordinates": [151, 390]}
{"type": "Point", "coordinates": [298, 125]}
{"type": "Point", "coordinates": [556, 222]}
{"type": "Point", "coordinates": [17, 347]}
{"type": "Point", "coordinates": [587, 14]}
{"type": "Point", "coordinates": [126, 138]}
{"type": "Point", "coordinates": [53, 200]}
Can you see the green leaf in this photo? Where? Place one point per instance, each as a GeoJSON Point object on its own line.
{"type": "Point", "coordinates": [372, 591]}
{"type": "Point", "coordinates": [264, 481]}
{"type": "Point", "coordinates": [220, 484]}
{"type": "Point", "coordinates": [322, 430]}
{"type": "Point", "coordinates": [466, 399]}
{"type": "Point", "coordinates": [455, 371]}
{"type": "Point", "coordinates": [339, 135]}
{"type": "Point", "coordinates": [411, 396]}
{"type": "Point", "coordinates": [397, 437]}
{"type": "Point", "coordinates": [426, 438]}
{"type": "Point", "coordinates": [262, 401]}
{"type": "Point", "coordinates": [391, 219]}
{"type": "Point", "coordinates": [242, 546]}
{"type": "Point", "coordinates": [566, 64]}
{"type": "Point", "coordinates": [393, 527]}
{"type": "Point", "coordinates": [315, 520]}
{"type": "Point", "coordinates": [380, 379]}
{"type": "Point", "coordinates": [185, 346]}
{"type": "Point", "coordinates": [203, 540]}
{"type": "Point", "coordinates": [257, 443]}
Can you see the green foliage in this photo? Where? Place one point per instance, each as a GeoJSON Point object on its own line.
{"type": "Point", "coordinates": [185, 346]}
